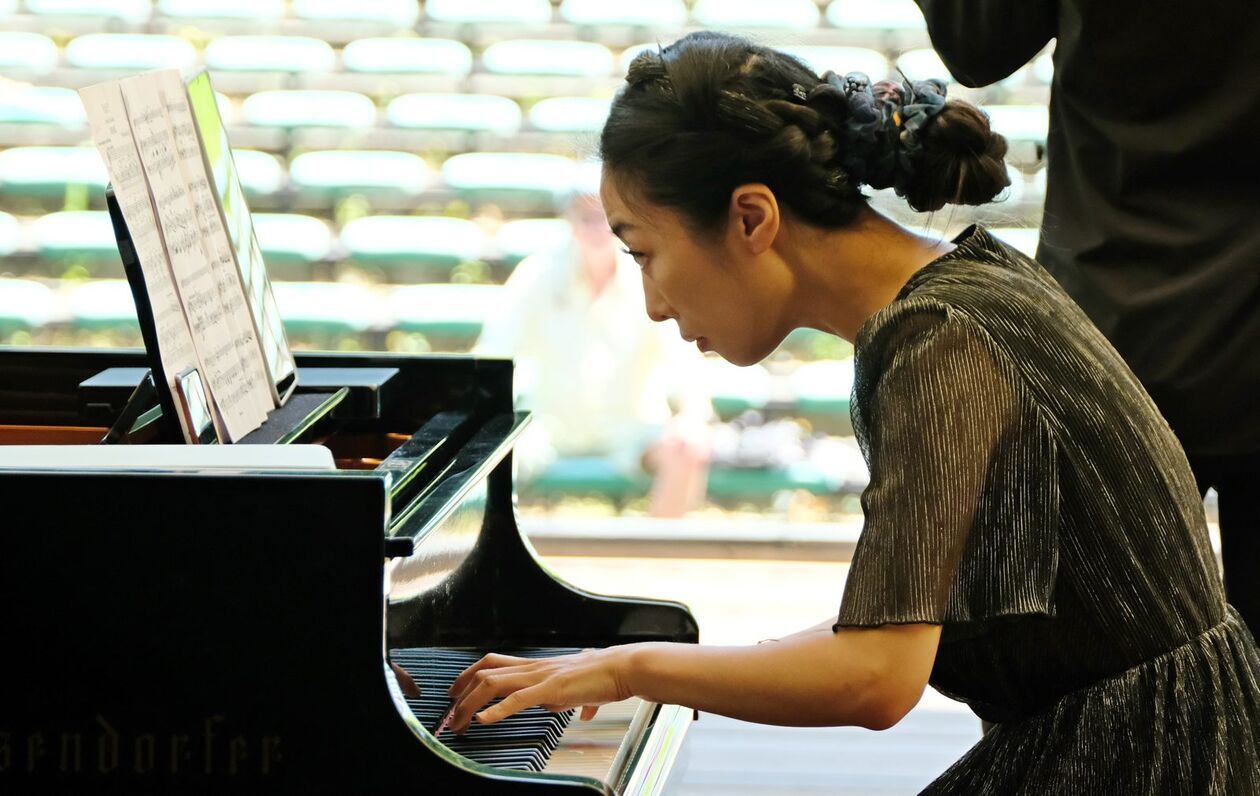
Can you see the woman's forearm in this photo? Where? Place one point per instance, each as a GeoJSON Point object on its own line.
{"type": "Point", "coordinates": [868, 678]}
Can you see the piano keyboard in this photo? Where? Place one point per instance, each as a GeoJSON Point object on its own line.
{"type": "Point", "coordinates": [524, 742]}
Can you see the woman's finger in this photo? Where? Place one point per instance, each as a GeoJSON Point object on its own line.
{"type": "Point", "coordinates": [588, 712]}
{"type": "Point", "coordinates": [514, 703]}
{"type": "Point", "coordinates": [492, 661]}
{"type": "Point", "coordinates": [487, 685]}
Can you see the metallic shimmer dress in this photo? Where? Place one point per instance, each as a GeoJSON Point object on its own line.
{"type": "Point", "coordinates": [1027, 495]}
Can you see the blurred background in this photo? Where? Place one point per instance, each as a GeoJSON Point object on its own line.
{"type": "Point", "coordinates": [402, 159]}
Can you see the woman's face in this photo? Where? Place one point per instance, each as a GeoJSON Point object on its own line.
{"type": "Point", "coordinates": [724, 298]}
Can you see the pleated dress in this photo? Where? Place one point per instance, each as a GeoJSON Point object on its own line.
{"type": "Point", "coordinates": [1027, 496]}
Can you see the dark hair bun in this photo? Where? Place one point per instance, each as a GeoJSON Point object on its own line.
{"type": "Point", "coordinates": [961, 161]}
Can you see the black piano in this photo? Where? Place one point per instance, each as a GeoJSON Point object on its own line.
{"type": "Point", "coordinates": [231, 632]}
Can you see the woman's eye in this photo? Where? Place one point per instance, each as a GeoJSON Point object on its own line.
{"type": "Point", "coordinates": [635, 255]}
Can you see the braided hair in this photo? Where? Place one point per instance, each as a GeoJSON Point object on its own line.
{"type": "Point", "coordinates": [714, 111]}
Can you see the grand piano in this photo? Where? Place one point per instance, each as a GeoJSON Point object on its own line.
{"type": "Point", "coordinates": [232, 631]}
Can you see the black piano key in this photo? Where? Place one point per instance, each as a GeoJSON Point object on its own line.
{"type": "Point", "coordinates": [523, 741]}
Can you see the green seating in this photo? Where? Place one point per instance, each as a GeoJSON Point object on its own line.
{"type": "Point", "coordinates": [811, 344]}
{"type": "Point", "coordinates": [788, 14]}
{"type": "Point", "coordinates": [761, 483]}
{"type": "Point", "coordinates": [422, 245]}
{"type": "Point", "coordinates": [102, 304]}
{"type": "Point", "coordinates": [130, 11]}
{"type": "Point", "coordinates": [396, 13]}
{"type": "Point", "coordinates": [322, 311]}
{"type": "Point", "coordinates": [42, 105]}
{"type": "Point", "coordinates": [24, 305]}
{"type": "Point", "coordinates": [517, 12]}
{"type": "Point", "coordinates": [486, 113]}
{"type": "Point", "coordinates": [1027, 123]}
{"type": "Point", "coordinates": [542, 57]}
{"type": "Point", "coordinates": [80, 235]}
{"type": "Point", "coordinates": [30, 53]}
{"type": "Point", "coordinates": [449, 316]}
{"type": "Point", "coordinates": [518, 239]}
{"type": "Point", "coordinates": [823, 387]}
{"type": "Point", "coordinates": [569, 114]}
{"type": "Point", "coordinates": [10, 234]}
{"type": "Point", "coordinates": [408, 55]}
{"type": "Point", "coordinates": [510, 177]}
{"type": "Point", "coordinates": [842, 60]}
{"type": "Point", "coordinates": [876, 14]}
{"type": "Point", "coordinates": [292, 238]}
{"type": "Point", "coordinates": [298, 108]}
{"type": "Point", "coordinates": [586, 475]}
{"type": "Point", "coordinates": [256, 10]}
{"type": "Point", "coordinates": [45, 172]}
{"type": "Point", "coordinates": [666, 14]}
{"type": "Point", "coordinates": [332, 174]}
{"type": "Point", "coordinates": [261, 174]}
{"type": "Point", "coordinates": [735, 390]}
{"type": "Point", "coordinates": [297, 54]}
{"type": "Point", "coordinates": [130, 51]}
{"type": "Point", "coordinates": [1021, 239]}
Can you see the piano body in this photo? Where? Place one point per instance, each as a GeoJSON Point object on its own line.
{"type": "Point", "coordinates": [228, 632]}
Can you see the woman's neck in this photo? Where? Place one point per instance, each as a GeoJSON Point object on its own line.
{"type": "Point", "coordinates": [845, 276]}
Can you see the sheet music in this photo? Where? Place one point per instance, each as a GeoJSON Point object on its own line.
{"type": "Point", "coordinates": [240, 394]}
{"type": "Point", "coordinates": [111, 131]}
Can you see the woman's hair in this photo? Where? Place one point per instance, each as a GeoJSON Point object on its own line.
{"type": "Point", "coordinates": [713, 111]}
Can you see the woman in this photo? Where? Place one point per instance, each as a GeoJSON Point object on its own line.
{"type": "Point", "coordinates": [1034, 543]}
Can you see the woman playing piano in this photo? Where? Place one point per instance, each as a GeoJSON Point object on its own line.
{"type": "Point", "coordinates": [1034, 543]}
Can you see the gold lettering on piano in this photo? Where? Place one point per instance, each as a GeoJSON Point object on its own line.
{"type": "Point", "coordinates": [98, 747]}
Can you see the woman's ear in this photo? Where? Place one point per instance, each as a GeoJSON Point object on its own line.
{"type": "Point", "coordinates": [754, 217]}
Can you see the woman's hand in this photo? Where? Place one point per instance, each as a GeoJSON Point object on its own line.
{"type": "Point", "coordinates": [587, 680]}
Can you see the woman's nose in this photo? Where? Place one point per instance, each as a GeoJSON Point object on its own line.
{"type": "Point", "coordinates": [657, 309]}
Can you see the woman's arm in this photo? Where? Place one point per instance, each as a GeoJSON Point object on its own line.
{"type": "Point", "coordinates": [865, 677]}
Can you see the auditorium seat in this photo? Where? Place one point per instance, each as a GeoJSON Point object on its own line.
{"type": "Point", "coordinates": [735, 390]}
{"type": "Point", "coordinates": [85, 237]}
{"type": "Point", "coordinates": [23, 54]}
{"type": "Point", "coordinates": [1027, 123]}
{"type": "Point", "coordinates": [812, 344]}
{"type": "Point", "coordinates": [45, 172]}
{"type": "Point", "coordinates": [392, 13]}
{"type": "Point", "coordinates": [660, 14]}
{"type": "Point", "coordinates": [261, 174]}
{"type": "Point", "coordinates": [320, 314]}
{"type": "Point", "coordinates": [527, 180]}
{"type": "Point", "coordinates": [585, 476]}
{"type": "Point", "coordinates": [823, 387]}
{"type": "Point", "coordinates": [102, 304]}
{"type": "Point", "coordinates": [787, 14]}
{"type": "Point", "coordinates": [487, 113]}
{"type": "Point", "coordinates": [450, 316]}
{"type": "Point", "coordinates": [762, 483]}
{"type": "Point", "coordinates": [842, 60]}
{"type": "Point", "coordinates": [247, 10]}
{"type": "Point", "coordinates": [569, 114]}
{"type": "Point", "coordinates": [10, 235]}
{"type": "Point", "coordinates": [1021, 238]}
{"type": "Point", "coordinates": [328, 175]}
{"type": "Point", "coordinates": [299, 108]}
{"type": "Point", "coordinates": [42, 105]}
{"type": "Point", "coordinates": [408, 55]}
{"type": "Point", "coordinates": [518, 12]}
{"type": "Point", "coordinates": [518, 239]}
{"type": "Point", "coordinates": [877, 14]}
{"type": "Point", "coordinates": [133, 12]}
{"type": "Point", "coordinates": [413, 248]}
{"type": "Point", "coordinates": [292, 242]}
{"type": "Point", "coordinates": [25, 305]}
{"type": "Point", "coordinates": [130, 51]}
{"type": "Point", "coordinates": [542, 57]}
{"type": "Point", "coordinates": [297, 54]}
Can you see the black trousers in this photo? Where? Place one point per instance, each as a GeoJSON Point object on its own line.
{"type": "Point", "coordinates": [1236, 479]}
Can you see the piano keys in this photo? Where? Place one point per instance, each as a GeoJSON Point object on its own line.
{"type": "Point", "coordinates": [209, 632]}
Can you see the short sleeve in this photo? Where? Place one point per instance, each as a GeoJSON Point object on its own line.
{"type": "Point", "coordinates": [961, 509]}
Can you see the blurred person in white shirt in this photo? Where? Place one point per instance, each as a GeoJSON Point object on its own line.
{"type": "Point", "coordinates": [597, 374]}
